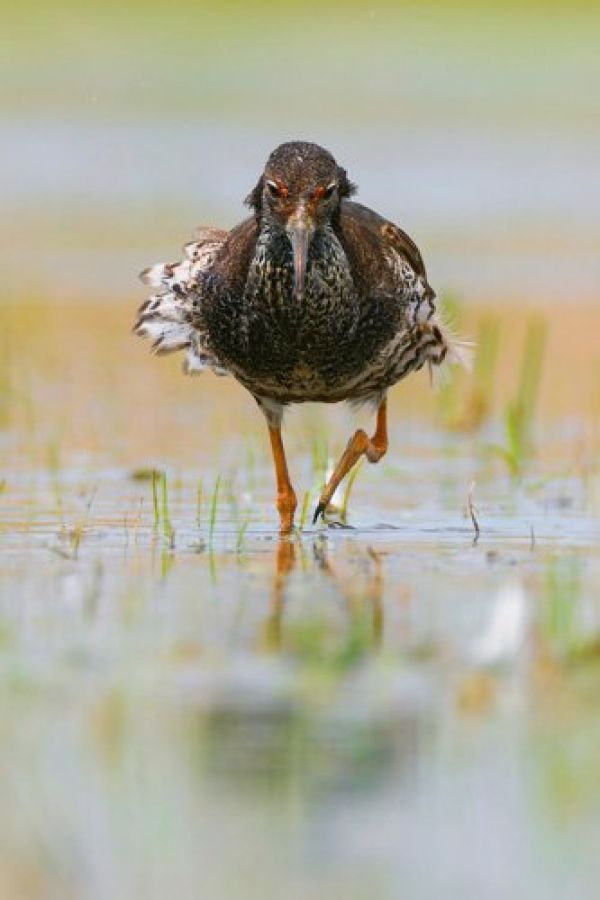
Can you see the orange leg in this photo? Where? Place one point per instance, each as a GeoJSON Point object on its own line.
{"type": "Point", "coordinates": [373, 448]}
{"type": "Point", "coordinates": [286, 498]}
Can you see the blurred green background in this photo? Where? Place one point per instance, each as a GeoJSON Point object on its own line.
{"type": "Point", "coordinates": [476, 126]}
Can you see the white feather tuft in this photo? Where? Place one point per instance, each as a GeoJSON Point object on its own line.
{"type": "Point", "coordinates": [194, 364]}
{"type": "Point", "coordinates": [167, 316]}
{"type": "Point", "coordinates": [458, 352]}
{"type": "Point", "coordinates": [155, 275]}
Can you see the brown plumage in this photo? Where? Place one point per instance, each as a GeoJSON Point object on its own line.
{"type": "Point", "coordinates": [314, 297]}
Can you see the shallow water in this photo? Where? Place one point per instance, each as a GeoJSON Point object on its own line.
{"type": "Point", "coordinates": [384, 709]}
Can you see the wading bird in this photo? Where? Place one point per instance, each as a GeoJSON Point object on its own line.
{"type": "Point", "coordinates": [312, 298]}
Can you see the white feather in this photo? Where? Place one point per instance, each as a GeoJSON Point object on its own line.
{"type": "Point", "coordinates": [155, 275]}
{"type": "Point", "coordinates": [458, 352]}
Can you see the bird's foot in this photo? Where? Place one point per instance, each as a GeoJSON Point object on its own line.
{"type": "Point", "coordinates": [286, 524]}
{"type": "Point", "coordinates": [319, 512]}
{"type": "Point", "coordinates": [286, 506]}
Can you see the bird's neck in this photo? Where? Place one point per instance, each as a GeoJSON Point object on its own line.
{"type": "Point", "coordinates": [272, 264]}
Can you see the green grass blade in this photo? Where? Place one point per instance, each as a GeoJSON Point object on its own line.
{"type": "Point", "coordinates": [213, 507]}
{"type": "Point", "coordinates": [348, 489]}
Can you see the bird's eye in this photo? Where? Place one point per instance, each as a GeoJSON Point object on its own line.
{"type": "Point", "coordinates": [328, 191]}
{"type": "Point", "coordinates": [273, 189]}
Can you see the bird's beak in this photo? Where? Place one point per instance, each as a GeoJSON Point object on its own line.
{"type": "Point", "coordinates": [300, 231]}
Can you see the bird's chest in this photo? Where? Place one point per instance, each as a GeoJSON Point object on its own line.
{"type": "Point", "coordinates": [306, 326]}
{"type": "Point", "coordinates": [300, 348]}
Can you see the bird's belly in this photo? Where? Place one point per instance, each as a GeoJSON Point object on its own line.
{"type": "Point", "coordinates": [311, 348]}
{"type": "Point", "coordinates": [308, 364]}
{"type": "Point", "coordinates": [363, 378]}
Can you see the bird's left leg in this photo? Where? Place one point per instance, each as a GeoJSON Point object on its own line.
{"type": "Point", "coordinates": [286, 497]}
{"type": "Point", "coordinates": [359, 444]}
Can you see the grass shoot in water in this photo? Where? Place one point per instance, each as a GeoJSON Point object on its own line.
{"type": "Point", "coordinates": [214, 501]}
{"type": "Point", "coordinates": [304, 510]}
{"type": "Point", "coordinates": [348, 489]}
{"type": "Point", "coordinates": [241, 534]}
{"type": "Point", "coordinates": [155, 479]}
{"type": "Point", "coordinates": [168, 532]}
{"type": "Point", "coordinates": [319, 460]}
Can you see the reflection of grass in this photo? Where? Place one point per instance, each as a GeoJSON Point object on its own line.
{"type": "Point", "coordinates": [322, 647]}
{"type": "Point", "coordinates": [571, 638]}
{"type": "Point", "coordinates": [72, 537]}
{"type": "Point", "coordinates": [561, 609]}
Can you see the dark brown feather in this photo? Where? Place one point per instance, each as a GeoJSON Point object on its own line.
{"type": "Point", "coordinates": [365, 237]}
{"type": "Point", "coordinates": [233, 260]}
{"type": "Point", "coordinates": [368, 315]}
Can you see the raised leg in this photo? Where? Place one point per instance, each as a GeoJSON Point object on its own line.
{"type": "Point", "coordinates": [373, 448]}
{"type": "Point", "coordinates": [286, 498]}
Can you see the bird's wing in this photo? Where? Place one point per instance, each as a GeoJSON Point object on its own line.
{"type": "Point", "coordinates": [386, 263]}
{"type": "Point", "coordinates": [373, 245]}
{"type": "Point", "coordinates": [233, 259]}
{"type": "Point", "coordinates": [167, 317]}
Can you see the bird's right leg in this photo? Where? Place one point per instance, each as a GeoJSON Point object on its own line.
{"type": "Point", "coordinates": [360, 444]}
{"type": "Point", "coordinates": [286, 497]}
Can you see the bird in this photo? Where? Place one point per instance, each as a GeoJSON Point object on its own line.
{"type": "Point", "coordinates": [312, 297]}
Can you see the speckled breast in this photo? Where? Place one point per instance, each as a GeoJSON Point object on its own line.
{"type": "Point", "coordinates": [314, 347]}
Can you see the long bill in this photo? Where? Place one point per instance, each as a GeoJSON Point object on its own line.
{"type": "Point", "coordinates": [300, 234]}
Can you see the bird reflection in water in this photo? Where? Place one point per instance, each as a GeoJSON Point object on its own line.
{"type": "Point", "coordinates": [315, 717]}
{"type": "Point", "coordinates": [364, 607]}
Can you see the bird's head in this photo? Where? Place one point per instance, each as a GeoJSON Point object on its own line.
{"type": "Point", "coordinates": [298, 193]}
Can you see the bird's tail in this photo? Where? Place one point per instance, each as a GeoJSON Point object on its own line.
{"type": "Point", "coordinates": [452, 350]}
